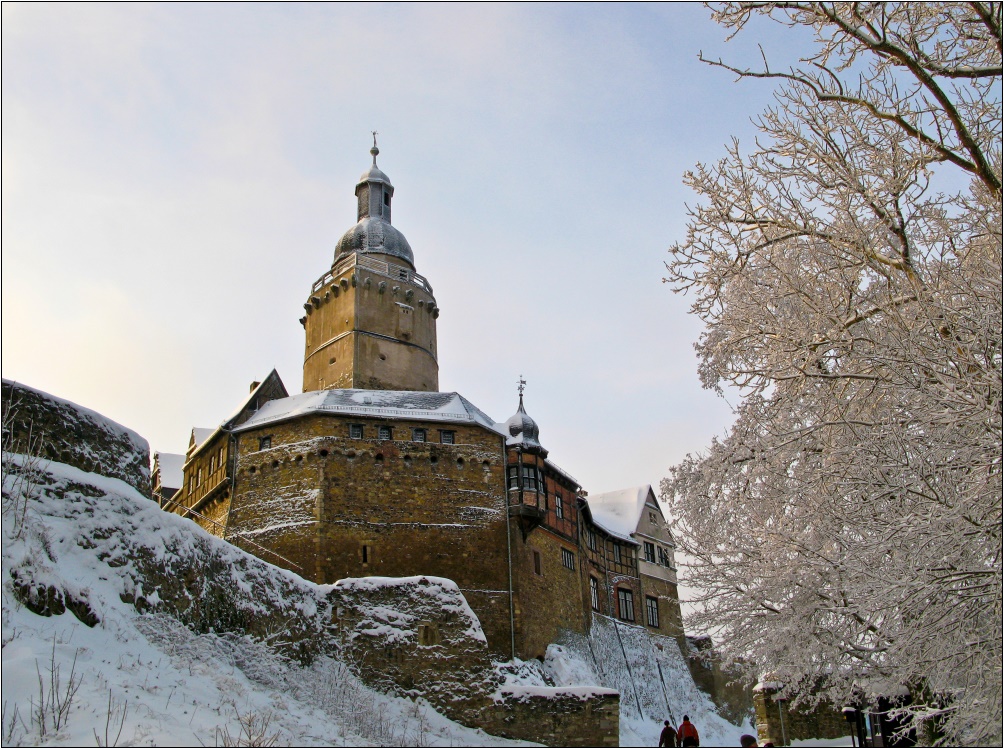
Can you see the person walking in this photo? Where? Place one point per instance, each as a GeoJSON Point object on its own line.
{"type": "Point", "coordinates": [668, 735]}
{"type": "Point", "coordinates": [687, 734]}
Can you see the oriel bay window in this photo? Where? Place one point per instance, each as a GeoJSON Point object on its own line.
{"type": "Point", "coordinates": [530, 477]}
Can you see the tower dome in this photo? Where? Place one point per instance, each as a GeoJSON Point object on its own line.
{"type": "Point", "coordinates": [524, 432]}
{"type": "Point", "coordinates": [373, 233]}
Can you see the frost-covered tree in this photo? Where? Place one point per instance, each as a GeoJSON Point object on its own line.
{"type": "Point", "coordinates": [846, 533]}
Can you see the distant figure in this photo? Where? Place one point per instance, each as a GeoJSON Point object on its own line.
{"type": "Point", "coordinates": [686, 734]}
{"type": "Point", "coordinates": [668, 735]}
{"type": "Point", "coordinates": [747, 741]}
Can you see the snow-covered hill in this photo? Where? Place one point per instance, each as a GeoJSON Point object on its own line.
{"type": "Point", "coordinates": [148, 674]}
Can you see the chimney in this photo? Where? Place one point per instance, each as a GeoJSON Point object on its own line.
{"type": "Point", "coordinates": [254, 385]}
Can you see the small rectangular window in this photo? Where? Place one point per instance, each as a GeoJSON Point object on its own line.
{"type": "Point", "coordinates": [530, 478]}
{"type": "Point", "coordinates": [356, 431]}
{"type": "Point", "coordinates": [212, 463]}
{"type": "Point", "coordinates": [198, 481]}
{"type": "Point", "coordinates": [617, 553]}
{"type": "Point", "coordinates": [418, 435]}
{"type": "Point", "coordinates": [559, 506]}
{"type": "Point", "coordinates": [625, 602]}
{"type": "Point", "coordinates": [649, 552]}
{"type": "Point", "coordinates": [568, 559]}
{"type": "Point", "coordinates": [594, 594]}
{"type": "Point", "coordinates": [366, 554]}
{"type": "Point", "coordinates": [513, 473]}
{"type": "Point", "coordinates": [265, 443]}
{"type": "Point", "coordinates": [664, 558]}
{"type": "Point", "coordinates": [447, 436]}
{"type": "Point", "coordinates": [536, 563]}
{"type": "Point", "coordinates": [385, 433]}
{"type": "Point", "coordinates": [591, 539]}
{"type": "Point", "coordinates": [652, 611]}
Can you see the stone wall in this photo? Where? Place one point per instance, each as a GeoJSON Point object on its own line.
{"type": "Point", "coordinates": [336, 507]}
{"type": "Point", "coordinates": [418, 637]}
{"type": "Point", "coordinates": [556, 716]}
{"type": "Point", "coordinates": [76, 436]}
{"type": "Point", "coordinates": [549, 600]}
{"type": "Point", "coordinates": [728, 689]}
{"type": "Point", "coordinates": [781, 724]}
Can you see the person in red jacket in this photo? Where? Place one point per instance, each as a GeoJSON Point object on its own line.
{"type": "Point", "coordinates": [686, 734]}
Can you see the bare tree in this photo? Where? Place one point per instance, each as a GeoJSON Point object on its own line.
{"type": "Point", "coordinates": [846, 533]}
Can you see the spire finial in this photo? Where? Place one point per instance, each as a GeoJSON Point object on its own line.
{"type": "Point", "coordinates": [521, 387]}
{"type": "Point", "coordinates": [374, 150]}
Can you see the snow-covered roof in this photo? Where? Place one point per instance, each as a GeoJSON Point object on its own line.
{"type": "Point", "coordinates": [618, 512]}
{"type": "Point", "coordinates": [522, 431]}
{"type": "Point", "coordinates": [172, 470]}
{"type": "Point", "coordinates": [201, 434]}
{"type": "Point", "coordinates": [383, 404]}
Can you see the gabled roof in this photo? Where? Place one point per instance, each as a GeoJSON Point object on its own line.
{"type": "Point", "coordinates": [385, 404]}
{"type": "Point", "coordinates": [619, 512]}
{"type": "Point", "coordinates": [171, 467]}
{"type": "Point", "coordinates": [263, 392]}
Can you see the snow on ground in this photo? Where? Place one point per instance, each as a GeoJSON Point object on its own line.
{"type": "Point", "coordinates": [650, 674]}
{"type": "Point", "coordinates": [146, 680]}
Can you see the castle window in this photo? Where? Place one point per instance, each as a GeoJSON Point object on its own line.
{"type": "Point", "coordinates": [594, 594]}
{"type": "Point", "coordinates": [559, 506]}
{"type": "Point", "coordinates": [625, 604]}
{"type": "Point", "coordinates": [447, 436]}
{"type": "Point", "coordinates": [649, 552]}
{"type": "Point", "coordinates": [355, 431]}
{"type": "Point", "coordinates": [386, 198]}
{"type": "Point", "coordinates": [618, 558]}
{"type": "Point", "coordinates": [385, 433]}
{"type": "Point", "coordinates": [536, 563]}
{"type": "Point", "coordinates": [366, 554]}
{"type": "Point", "coordinates": [418, 435]}
{"type": "Point", "coordinates": [264, 443]}
{"type": "Point", "coordinates": [664, 558]}
{"type": "Point", "coordinates": [652, 611]}
{"type": "Point", "coordinates": [568, 559]}
{"type": "Point", "coordinates": [198, 481]}
{"type": "Point", "coordinates": [591, 539]}
{"type": "Point", "coordinates": [651, 517]}
{"type": "Point", "coordinates": [212, 463]}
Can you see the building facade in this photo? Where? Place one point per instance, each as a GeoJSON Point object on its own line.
{"type": "Point", "coordinates": [371, 471]}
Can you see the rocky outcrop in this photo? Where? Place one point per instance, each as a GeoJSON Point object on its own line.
{"type": "Point", "coordinates": [67, 433]}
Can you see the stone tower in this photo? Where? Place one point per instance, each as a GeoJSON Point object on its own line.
{"type": "Point", "coordinates": [371, 319]}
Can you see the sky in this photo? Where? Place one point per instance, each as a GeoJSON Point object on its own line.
{"type": "Point", "coordinates": [176, 176]}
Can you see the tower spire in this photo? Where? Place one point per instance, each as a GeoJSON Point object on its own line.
{"type": "Point", "coordinates": [375, 151]}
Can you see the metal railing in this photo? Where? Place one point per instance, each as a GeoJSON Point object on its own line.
{"type": "Point", "coordinates": [381, 268]}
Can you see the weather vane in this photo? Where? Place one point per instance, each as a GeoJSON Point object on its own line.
{"type": "Point", "coordinates": [522, 386]}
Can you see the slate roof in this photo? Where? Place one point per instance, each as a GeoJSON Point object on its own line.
{"type": "Point", "coordinates": [385, 404]}
{"type": "Point", "coordinates": [619, 512]}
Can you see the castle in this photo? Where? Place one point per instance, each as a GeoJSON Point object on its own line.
{"type": "Point", "coordinates": [371, 471]}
